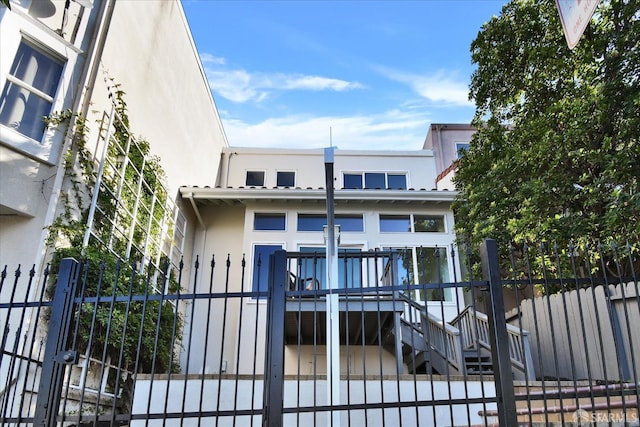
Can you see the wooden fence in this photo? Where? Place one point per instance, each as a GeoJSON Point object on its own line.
{"type": "Point", "coordinates": [586, 334]}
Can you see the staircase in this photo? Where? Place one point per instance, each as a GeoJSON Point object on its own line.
{"type": "Point", "coordinates": [478, 362]}
{"type": "Point", "coordinates": [460, 347]}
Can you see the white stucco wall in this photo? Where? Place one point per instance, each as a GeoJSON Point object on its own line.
{"type": "Point", "coordinates": [442, 139]}
{"type": "Point", "coordinates": [309, 165]}
{"type": "Point", "coordinates": [150, 54]}
{"type": "Point", "coordinates": [229, 394]}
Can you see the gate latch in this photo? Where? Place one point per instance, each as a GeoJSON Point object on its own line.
{"type": "Point", "coordinates": [68, 357]}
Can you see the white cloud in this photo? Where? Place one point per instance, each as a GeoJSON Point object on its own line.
{"type": "Point", "coordinates": [441, 87]}
{"type": "Point", "coordinates": [241, 86]}
{"type": "Point", "coordinates": [393, 130]}
{"type": "Point", "coordinates": [207, 58]}
{"type": "Point", "coordinates": [284, 81]}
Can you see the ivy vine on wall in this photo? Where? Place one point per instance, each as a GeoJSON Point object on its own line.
{"type": "Point", "coordinates": [140, 336]}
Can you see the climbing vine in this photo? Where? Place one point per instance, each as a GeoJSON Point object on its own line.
{"type": "Point", "coordinates": [118, 259]}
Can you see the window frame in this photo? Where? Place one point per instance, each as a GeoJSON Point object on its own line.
{"type": "Point", "coordinates": [47, 148]}
{"type": "Point", "coordinates": [411, 222]}
{"type": "Point", "coordinates": [15, 84]}
{"type": "Point", "coordinates": [254, 171]}
{"type": "Point", "coordinates": [355, 266]}
{"type": "Point", "coordinates": [257, 283]}
{"type": "Point", "coordinates": [461, 149]}
{"type": "Point", "coordinates": [363, 180]}
{"type": "Point", "coordinates": [293, 183]}
{"type": "Point", "coordinates": [323, 217]}
{"type": "Point", "coordinates": [414, 277]}
{"type": "Point", "coordinates": [270, 216]}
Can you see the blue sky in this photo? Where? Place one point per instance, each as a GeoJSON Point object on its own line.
{"type": "Point", "coordinates": [367, 74]}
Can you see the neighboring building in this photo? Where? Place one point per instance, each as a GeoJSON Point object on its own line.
{"type": "Point", "coordinates": [87, 58]}
{"type": "Point", "coordinates": [270, 199]}
{"type": "Point", "coordinates": [76, 55]}
{"type": "Point", "coordinates": [447, 141]}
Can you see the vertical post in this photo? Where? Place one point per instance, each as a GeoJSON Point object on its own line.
{"type": "Point", "coordinates": [273, 398]}
{"type": "Point", "coordinates": [503, 376]}
{"type": "Point", "coordinates": [55, 355]}
{"type": "Point", "coordinates": [333, 313]}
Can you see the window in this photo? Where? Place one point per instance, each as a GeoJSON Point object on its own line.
{"type": "Point", "coordinates": [313, 269]}
{"type": "Point", "coordinates": [412, 223]}
{"type": "Point", "coordinates": [316, 222]}
{"type": "Point", "coordinates": [255, 179]}
{"type": "Point", "coordinates": [352, 181]}
{"type": "Point", "coordinates": [28, 93]}
{"type": "Point", "coordinates": [375, 180]}
{"type": "Point", "coordinates": [395, 223]}
{"type": "Point", "coordinates": [261, 255]}
{"type": "Point", "coordinates": [396, 181]}
{"type": "Point", "coordinates": [424, 266]}
{"type": "Point", "coordinates": [461, 148]}
{"type": "Point", "coordinates": [269, 221]}
{"type": "Point", "coordinates": [286, 179]}
{"type": "Point", "coordinates": [428, 223]}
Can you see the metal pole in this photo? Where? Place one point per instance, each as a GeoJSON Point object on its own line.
{"type": "Point", "coordinates": [55, 355]}
{"type": "Point", "coordinates": [499, 338]}
{"type": "Point", "coordinates": [332, 310]}
{"type": "Point", "coordinates": [273, 398]}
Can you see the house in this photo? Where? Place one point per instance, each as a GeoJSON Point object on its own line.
{"type": "Point", "coordinates": [447, 141]}
{"type": "Point", "coordinates": [275, 199]}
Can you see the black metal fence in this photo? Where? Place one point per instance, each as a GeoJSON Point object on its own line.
{"type": "Point", "coordinates": [548, 338]}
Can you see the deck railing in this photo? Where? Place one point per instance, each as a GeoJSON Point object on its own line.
{"type": "Point", "coordinates": [474, 332]}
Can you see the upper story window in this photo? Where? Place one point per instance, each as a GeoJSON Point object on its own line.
{"type": "Point", "coordinates": [29, 91]}
{"type": "Point", "coordinates": [428, 223]}
{"type": "Point", "coordinates": [395, 223]}
{"type": "Point", "coordinates": [316, 222]}
{"type": "Point", "coordinates": [412, 223]}
{"type": "Point", "coordinates": [269, 221]}
{"type": "Point", "coordinates": [255, 179]}
{"type": "Point", "coordinates": [461, 148]}
{"type": "Point", "coordinates": [285, 179]}
{"type": "Point", "coordinates": [375, 180]}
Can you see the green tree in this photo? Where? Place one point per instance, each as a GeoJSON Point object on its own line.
{"type": "Point", "coordinates": [556, 156]}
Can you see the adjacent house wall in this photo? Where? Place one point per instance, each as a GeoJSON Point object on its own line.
{"type": "Point", "coordinates": [442, 139]}
{"type": "Point", "coordinates": [144, 47]}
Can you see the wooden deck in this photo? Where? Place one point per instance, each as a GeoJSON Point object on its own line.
{"type": "Point", "coordinates": [362, 321]}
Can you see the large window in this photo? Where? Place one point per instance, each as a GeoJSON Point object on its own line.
{"type": "Point", "coordinates": [29, 91]}
{"type": "Point", "coordinates": [316, 222]}
{"type": "Point", "coordinates": [375, 180]}
{"type": "Point", "coordinates": [424, 266]}
{"type": "Point", "coordinates": [255, 179]}
{"type": "Point", "coordinates": [269, 221]}
{"type": "Point", "coordinates": [261, 255]}
{"type": "Point", "coordinates": [412, 223]}
{"type": "Point", "coordinates": [312, 269]}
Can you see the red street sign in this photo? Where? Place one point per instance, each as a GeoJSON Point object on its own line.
{"type": "Point", "coordinates": [575, 15]}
